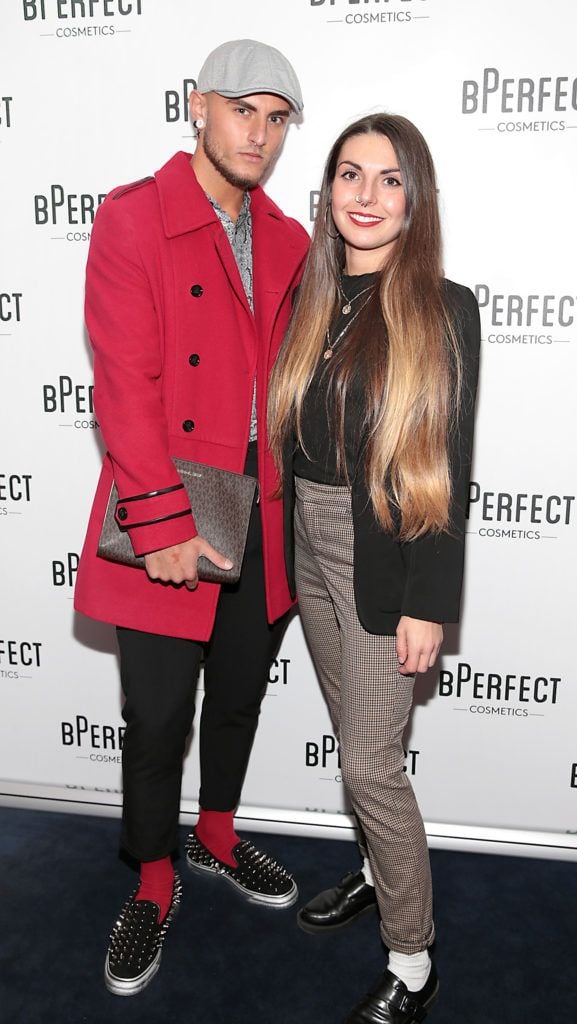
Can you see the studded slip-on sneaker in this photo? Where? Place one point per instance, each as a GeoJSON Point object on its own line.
{"type": "Point", "coordinates": [135, 948]}
{"type": "Point", "coordinates": [260, 878]}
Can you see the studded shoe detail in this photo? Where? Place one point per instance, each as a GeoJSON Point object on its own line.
{"type": "Point", "coordinates": [135, 948]}
{"type": "Point", "coordinates": [259, 877]}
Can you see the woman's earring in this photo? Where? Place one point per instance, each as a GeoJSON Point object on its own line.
{"type": "Point", "coordinates": [327, 212]}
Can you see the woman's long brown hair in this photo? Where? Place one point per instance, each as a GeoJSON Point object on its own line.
{"type": "Point", "coordinates": [403, 346]}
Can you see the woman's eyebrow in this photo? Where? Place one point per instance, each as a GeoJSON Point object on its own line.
{"type": "Point", "coordinates": [385, 170]}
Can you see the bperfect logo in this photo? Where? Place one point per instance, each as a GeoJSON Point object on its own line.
{"type": "Point", "coordinates": [61, 209]}
{"type": "Point", "coordinates": [503, 99]}
{"type": "Point", "coordinates": [498, 694]}
{"type": "Point", "coordinates": [64, 570]}
{"type": "Point", "coordinates": [6, 111]}
{"type": "Point", "coordinates": [81, 19]}
{"type": "Point", "coordinates": [410, 766]}
{"type": "Point", "coordinates": [526, 320]}
{"type": "Point", "coordinates": [16, 655]}
{"type": "Point", "coordinates": [279, 671]}
{"type": "Point", "coordinates": [15, 490]}
{"type": "Point", "coordinates": [388, 11]}
{"type": "Point", "coordinates": [176, 101]}
{"type": "Point", "coordinates": [573, 782]}
{"type": "Point", "coordinates": [325, 754]}
{"type": "Point", "coordinates": [10, 307]}
{"type": "Point", "coordinates": [66, 397]}
{"type": "Point", "coordinates": [42, 9]}
{"type": "Point", "coordinates": [518, 516]}
{"type": "Point", "coordinates": [320, 755]}
{"type": "Point", "coordinates": [15, 487]}
{"type": "Point", "coordinates": [326, 810]}
{"type": "Point", "coordinates": [92, 789]}
{"type": "Point", "coordinates": [81, 734]}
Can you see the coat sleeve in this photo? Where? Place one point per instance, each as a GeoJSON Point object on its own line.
{"type": "Point", "coordinates": [435, 562]}
{"type": "Point", "coordinates": [125, 326]}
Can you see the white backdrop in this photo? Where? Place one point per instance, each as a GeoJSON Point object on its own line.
{"type": "Point", "coordinates": [92, 95]}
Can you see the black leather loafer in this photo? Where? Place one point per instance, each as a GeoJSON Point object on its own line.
{"type": "Point", "coordinates": [390, 1002]}
{"type": "Point", "coordinates": [335, 907]}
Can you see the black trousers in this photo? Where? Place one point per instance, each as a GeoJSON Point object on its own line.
{"type": "Point", "coordinates": [159, 677]}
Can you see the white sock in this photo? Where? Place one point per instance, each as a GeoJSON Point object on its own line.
{"type": "Point", "coordinates": [366, 871]}
{"type": "Point", "coordinates": [412, 968]}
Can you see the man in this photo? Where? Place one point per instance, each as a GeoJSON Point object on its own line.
{"type": "Point", "coordinates": [188, 290]}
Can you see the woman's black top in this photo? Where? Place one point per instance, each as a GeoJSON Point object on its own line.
{"type": "Point", "coordinates": [421, 578]}
{"type": "Point", "coordinates": [318, 412]}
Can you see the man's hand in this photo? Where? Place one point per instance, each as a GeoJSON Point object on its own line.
{"type": "Point", "coordinates": [418, 644]}
{"type": "Point", "coordinates": [179, 563]}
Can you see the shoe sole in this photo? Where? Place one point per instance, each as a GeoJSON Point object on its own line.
{"type": "Point", "coordinates": [123, 987]}
{"type": "Point", "coordinates": [427, 1006]}
{"type": "Point", "coordinates": [316, 929]}
{"type": "Point", "coordinates": [274, 902]}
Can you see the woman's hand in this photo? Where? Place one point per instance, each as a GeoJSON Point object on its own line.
{"type": "Point", "coordinates": [418, 644]}
{"type": "Point", "coordinates": [179, 563]}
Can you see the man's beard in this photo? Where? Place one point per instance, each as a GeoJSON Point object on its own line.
{"type": "Point", "coordinates": [237, 180]}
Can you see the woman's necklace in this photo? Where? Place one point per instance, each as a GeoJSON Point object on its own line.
{"type": "Point", "coordinates": [331, 344]}
{"type": "Point", "coordinates": [347, 306]}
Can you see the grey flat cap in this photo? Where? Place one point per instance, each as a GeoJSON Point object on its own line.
{"type": "Point", "coordinates": [244, 66]}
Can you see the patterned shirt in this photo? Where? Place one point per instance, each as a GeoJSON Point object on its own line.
{"type": "Point", "coordinates": [239, 234]}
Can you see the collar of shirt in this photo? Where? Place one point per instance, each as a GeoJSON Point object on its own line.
{"type": "Point", "coordinates": [225, 218]}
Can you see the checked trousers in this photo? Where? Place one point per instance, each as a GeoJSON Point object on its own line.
{"type": "Point", "coordinates": [369, 702]}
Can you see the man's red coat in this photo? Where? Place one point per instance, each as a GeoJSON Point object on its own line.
{"type": "Point", "coordinates": [176, 349]}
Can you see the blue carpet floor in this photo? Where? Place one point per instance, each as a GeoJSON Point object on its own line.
{"type": "Point", "coordinates": [506, 945]}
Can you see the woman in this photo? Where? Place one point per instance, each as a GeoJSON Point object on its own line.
{"type": "Point", "coordinates": [372, 402]}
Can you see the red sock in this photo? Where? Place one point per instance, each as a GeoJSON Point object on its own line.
{"type": "Point", "coordinates": [156, 883]}
{"type": "Point", "coordinates": [216, 831]}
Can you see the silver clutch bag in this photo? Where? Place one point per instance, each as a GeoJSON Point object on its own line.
{"type": "Point", "coordinates": [221, 503]}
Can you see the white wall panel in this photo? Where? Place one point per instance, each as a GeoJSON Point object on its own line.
{"type": "Point", "coordinates": [91, 97]}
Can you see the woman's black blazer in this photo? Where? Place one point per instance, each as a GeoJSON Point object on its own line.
{"type": "Point", "coordinates": [420, 578]}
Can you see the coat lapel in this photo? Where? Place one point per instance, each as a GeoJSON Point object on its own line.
{"type": "Point", "coordinates": [277, 253]}
{"type": "Point", "coordinates": [278, 250]}
{"type": "Point", "coordinates": [185, 209]}
{"type": "Point", "coordinates": [230, 266]}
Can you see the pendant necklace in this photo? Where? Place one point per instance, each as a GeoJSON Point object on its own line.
{"type": "Point", "coordinates": [327, 354]}
{"type": "Point", "coordinates": [347, 306]}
